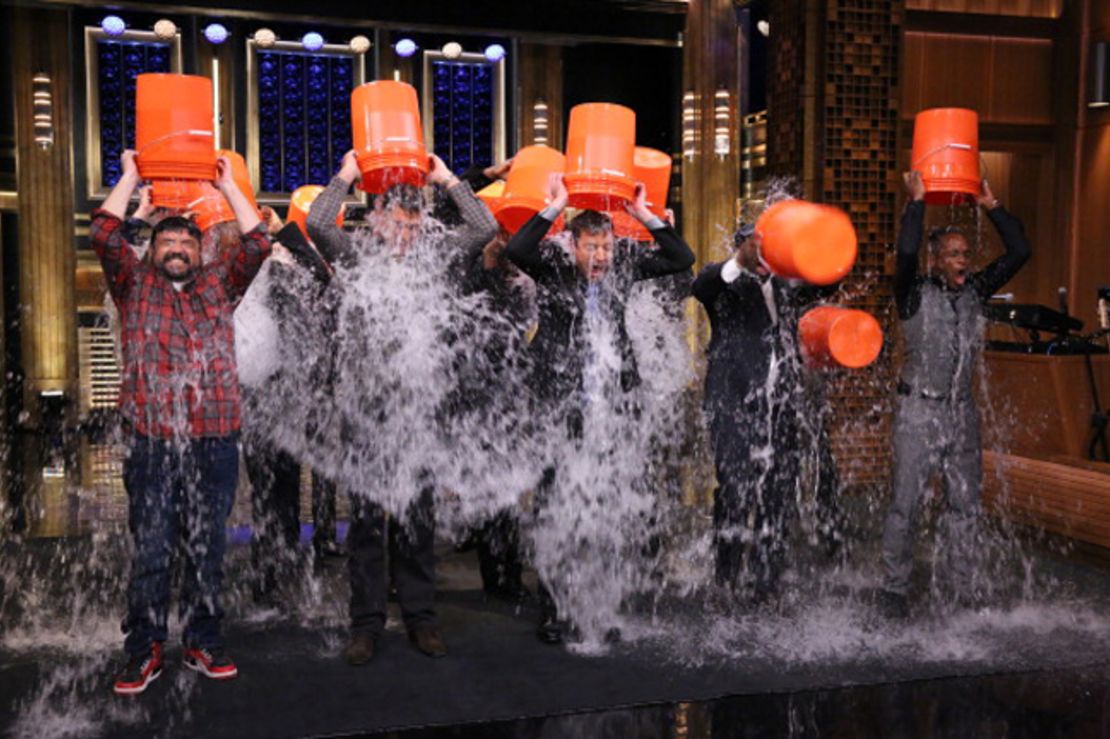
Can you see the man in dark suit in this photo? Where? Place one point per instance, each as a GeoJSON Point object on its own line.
{"type": "Point", "coordinates": [575, 287]}
{"type": "Point", "coordinates": [752, 400]}
{"type": "Point", "coordinates": [399, 222]}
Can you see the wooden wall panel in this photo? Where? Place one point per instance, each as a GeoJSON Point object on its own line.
{"type": "Point", "coordinates": [1026, 8]}
{"type": "Point", "coordinates": [1091, 251]}
{"type": "Point", "coordinates": [540, 75]}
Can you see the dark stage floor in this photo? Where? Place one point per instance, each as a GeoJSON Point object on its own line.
{"type": "Point", "coordinates": [827, 668]}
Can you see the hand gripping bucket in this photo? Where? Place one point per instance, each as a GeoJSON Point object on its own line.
{"type": "Point", "coordinates": [388, 138]}
{"type": "Point", "coordinates": [299, 204]}
{"type": "Point", "coordinates": [601, 143]}
{"type": "Point", "coordinates": [831, 336]}
{"type": "Point", "coordinates": [946, 153]}
{"type": "Point", "coordinates": [653, 168]}
{"type": "Point", "coordinates": [173, 127]}
{"type": "Point", "coordinates": [525, 192]}
{"type": "Point", "coordinates": [807, 241]}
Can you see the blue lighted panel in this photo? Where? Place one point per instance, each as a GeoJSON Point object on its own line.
{"type": "Point", "coordinates": [462, 113]}
{"type": "Point", "coordinates": [118, 63]}
{"type": "Point", "coordinates": [304, 117]}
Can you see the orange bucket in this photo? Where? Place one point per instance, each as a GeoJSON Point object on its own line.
{"type": "Point", "coordinates": [807, 241]}
{"type": "Point", "coordinates": [601, 141]}
{"type": "Point", "coordinates": [385, 128]}
{"type": "Point", "coordinates": [653, 168]}
{"type": "Point", "coordinates": [240, 174]}
{"type": "Point", "coordinates": [299, 204]}
{"type": "Point", "coordinates": [173, 127]}
{"type": "Point", "coordinates": [946, 153]}
{"type": "Point", "coordinates": [491, 194]}
{"type": "Point", "coordinates": [209, 207]}
{"type": "Point", "coordinates": [832, 336]}
{"type": "Point", "coordinates": [526, 185]}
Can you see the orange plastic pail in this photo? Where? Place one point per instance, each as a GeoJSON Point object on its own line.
{"type": "Point", "coordinates": [174, 127]}
{"type": "Point", "coordinates": [299, 204]}
{"type": "Point", "coordinates": [807, 241]}
{"type": "Point", "coordinates": [388, 139]}
{"type": "Point", "coordinates": [601, 143]}
{"type": "Point", "coordinates": [946, 153]}
{"type": "Point", "coordinates": [831, 336]}
{"type": "Point", "coordinates": [526, 185]}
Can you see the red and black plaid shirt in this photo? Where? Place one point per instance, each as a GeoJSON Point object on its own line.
{"type": "Point", "coordinates": [179, 376]}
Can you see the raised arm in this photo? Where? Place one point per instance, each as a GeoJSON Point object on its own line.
{"type": "Point", "coordinates": [245, 258]}
{"type": "Point", "coordinates": [107, 236]}
{"type": "Point", "coordinates": [673, 254]}
{"type": "Point", "coordinates": [333, 242]}
{"type": "Point", "coordinates": [906, 295]}
{"type": "Point", "coordinates": [1018, 250]}
{"type": "Point", "coordinates": [478, 227]}
{"type": "Point", "coordinates": [523, 248]}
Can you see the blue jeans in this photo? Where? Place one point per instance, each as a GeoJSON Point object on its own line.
{"type": "Point", "coordinates": [179, 497]}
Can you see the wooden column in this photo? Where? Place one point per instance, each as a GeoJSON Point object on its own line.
{"type": "Point", "coordinates": [539, 78]}
{"type": "Point", "coordinates": [711, 156]}
{"type": "Point", "coordinates": [41, 43]}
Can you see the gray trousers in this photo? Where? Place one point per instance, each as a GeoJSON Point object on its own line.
{"type": "Point", "coordinates": [933, 436]}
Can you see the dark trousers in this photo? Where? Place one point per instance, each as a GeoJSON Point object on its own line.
{"type": "Point", "coordinates": [499, 552]}
{"type": "Point", "coordinates": [756, 493]}
{"type": "Point", "coordinates": [275, 506]}
{"type": "Point", "coordinates": [323, 513]}
{"type": "Point", "coordinates": [411, 562]}
{"type": "Point", "coordinates": [179, 496]}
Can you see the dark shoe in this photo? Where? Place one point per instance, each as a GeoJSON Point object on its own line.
{"type": "Point", "coordinates": [428, 641]}
{"type": "Point", "coordinates": [212, 662]}
{"type": "Point", "coordinates": [360, 649]}
{"type": "Point", "coordinates": [893, 606]}
{"type": "Point", "coordinates": [140, 671]}
{"type": "Point", "coordinates": [550, 631]}
{"type": "Point", "coordinates": [613, 635]}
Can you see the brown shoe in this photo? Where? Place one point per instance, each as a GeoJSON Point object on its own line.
{"type": "Point", "coordinates": [427, 639]}
{"type": "Point", "coordinates": [360, 649]}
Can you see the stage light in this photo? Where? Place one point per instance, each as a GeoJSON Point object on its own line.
{"type": "Point", "coordinates": [42, 108]}
{"type": "Point", "coordinates": [360, 44]}
{"type": "Point", "coordinates": [452, 50]}
{"type": "Point", "coordinates": [539, 122]}
{"type": "Point", "coordinates": [312, 41]}
{"type": "Point", "coordinates": [216, 33]}
{"type": "Point", "coordinates": [113, 25]}
{"type": "Point", "coordinates": [264, 38]}
{"type": "Point", "coordinates": [405, 47]}
{"type": "Point", "coordinates": [1100, 76]}
{"type": "Point", "coordinates": [763, 27]}
{"type": "Point", "coordinates": [495, 52]}
{"type": "Point", "coordinates": [165, 29]}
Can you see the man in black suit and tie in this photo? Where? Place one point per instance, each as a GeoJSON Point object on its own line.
{"type": "Point", "coordinates": [577, 287]}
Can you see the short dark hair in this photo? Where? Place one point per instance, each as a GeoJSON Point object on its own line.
{"type": "Point", "coordinates": [936, 237]}
{"type": "Point", "coordinates": [405, 196]}
{"type": "Point", "coordinates": [591, 222]}
{"type": "Point", "coordinates": [175, 224]}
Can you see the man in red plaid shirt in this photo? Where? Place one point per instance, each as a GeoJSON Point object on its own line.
{"type": "Point", "coordinates": [179, 400]}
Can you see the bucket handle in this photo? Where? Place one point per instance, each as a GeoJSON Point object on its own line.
{"type": "Point", "coordinates": [942, 147]}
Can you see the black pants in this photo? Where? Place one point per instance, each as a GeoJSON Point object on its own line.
{"type": "Point", "coordinates": [411, 562]}
{"type": "Point", "coordinates": [275, 478]}
{"type": "Point", "coordinates": [499, 552]}
{"type": "Point", "coordinates": [323, 513]}
{"type": "Point", "coordinates": [756, 457]}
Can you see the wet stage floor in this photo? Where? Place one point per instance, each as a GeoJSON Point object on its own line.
{"type": "Point", "coordinates": [1035, 667]}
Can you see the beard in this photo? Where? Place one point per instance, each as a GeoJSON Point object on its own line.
{"type": "Point", "coordinates": [170, 267]}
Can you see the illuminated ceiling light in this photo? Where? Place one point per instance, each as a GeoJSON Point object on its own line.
{"type": "Point", "coordinates": [312, 41]}
{"type": "Point", "coordinates": [165, 29]}
{"type": "Point", "coordinates": [452, 50]}
{"type": "Point", "coordinates": [495, 52]}
{"type": "Point", "coordinates": [360, 44]}
{"type": "Point", "coordinates": [113, 25]}
{"type": "Point", "coordinates": [405, 47]}
{"type": "Point", "coordinates": [1100, 76]}
{"type": "Point", "coordinates": [264, 38]}
{"type": "Point", "coordinates": [763, 27]}
{"type": "Point", "coordinates": [216, 33]}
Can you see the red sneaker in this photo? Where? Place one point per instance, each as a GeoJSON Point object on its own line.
{"type": "Point", "coordinates": [213, 663]}
{"type": "Point", "coordinates": [140, 671]}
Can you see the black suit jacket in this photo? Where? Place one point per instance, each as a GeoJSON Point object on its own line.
{"type": "Point", "coordinates": [558, 350]}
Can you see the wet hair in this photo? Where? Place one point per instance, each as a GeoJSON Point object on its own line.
{"type": "Point", "coordinates": [936, 237]}
{"type": "Point", "coordinates": [175, 224]}
{"type": "Point", "coordinates": [591, 222]}
{"type": "Point", "coordinates": [407, 197]}
{"type": "Point", "coordinates": [743, 232]}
